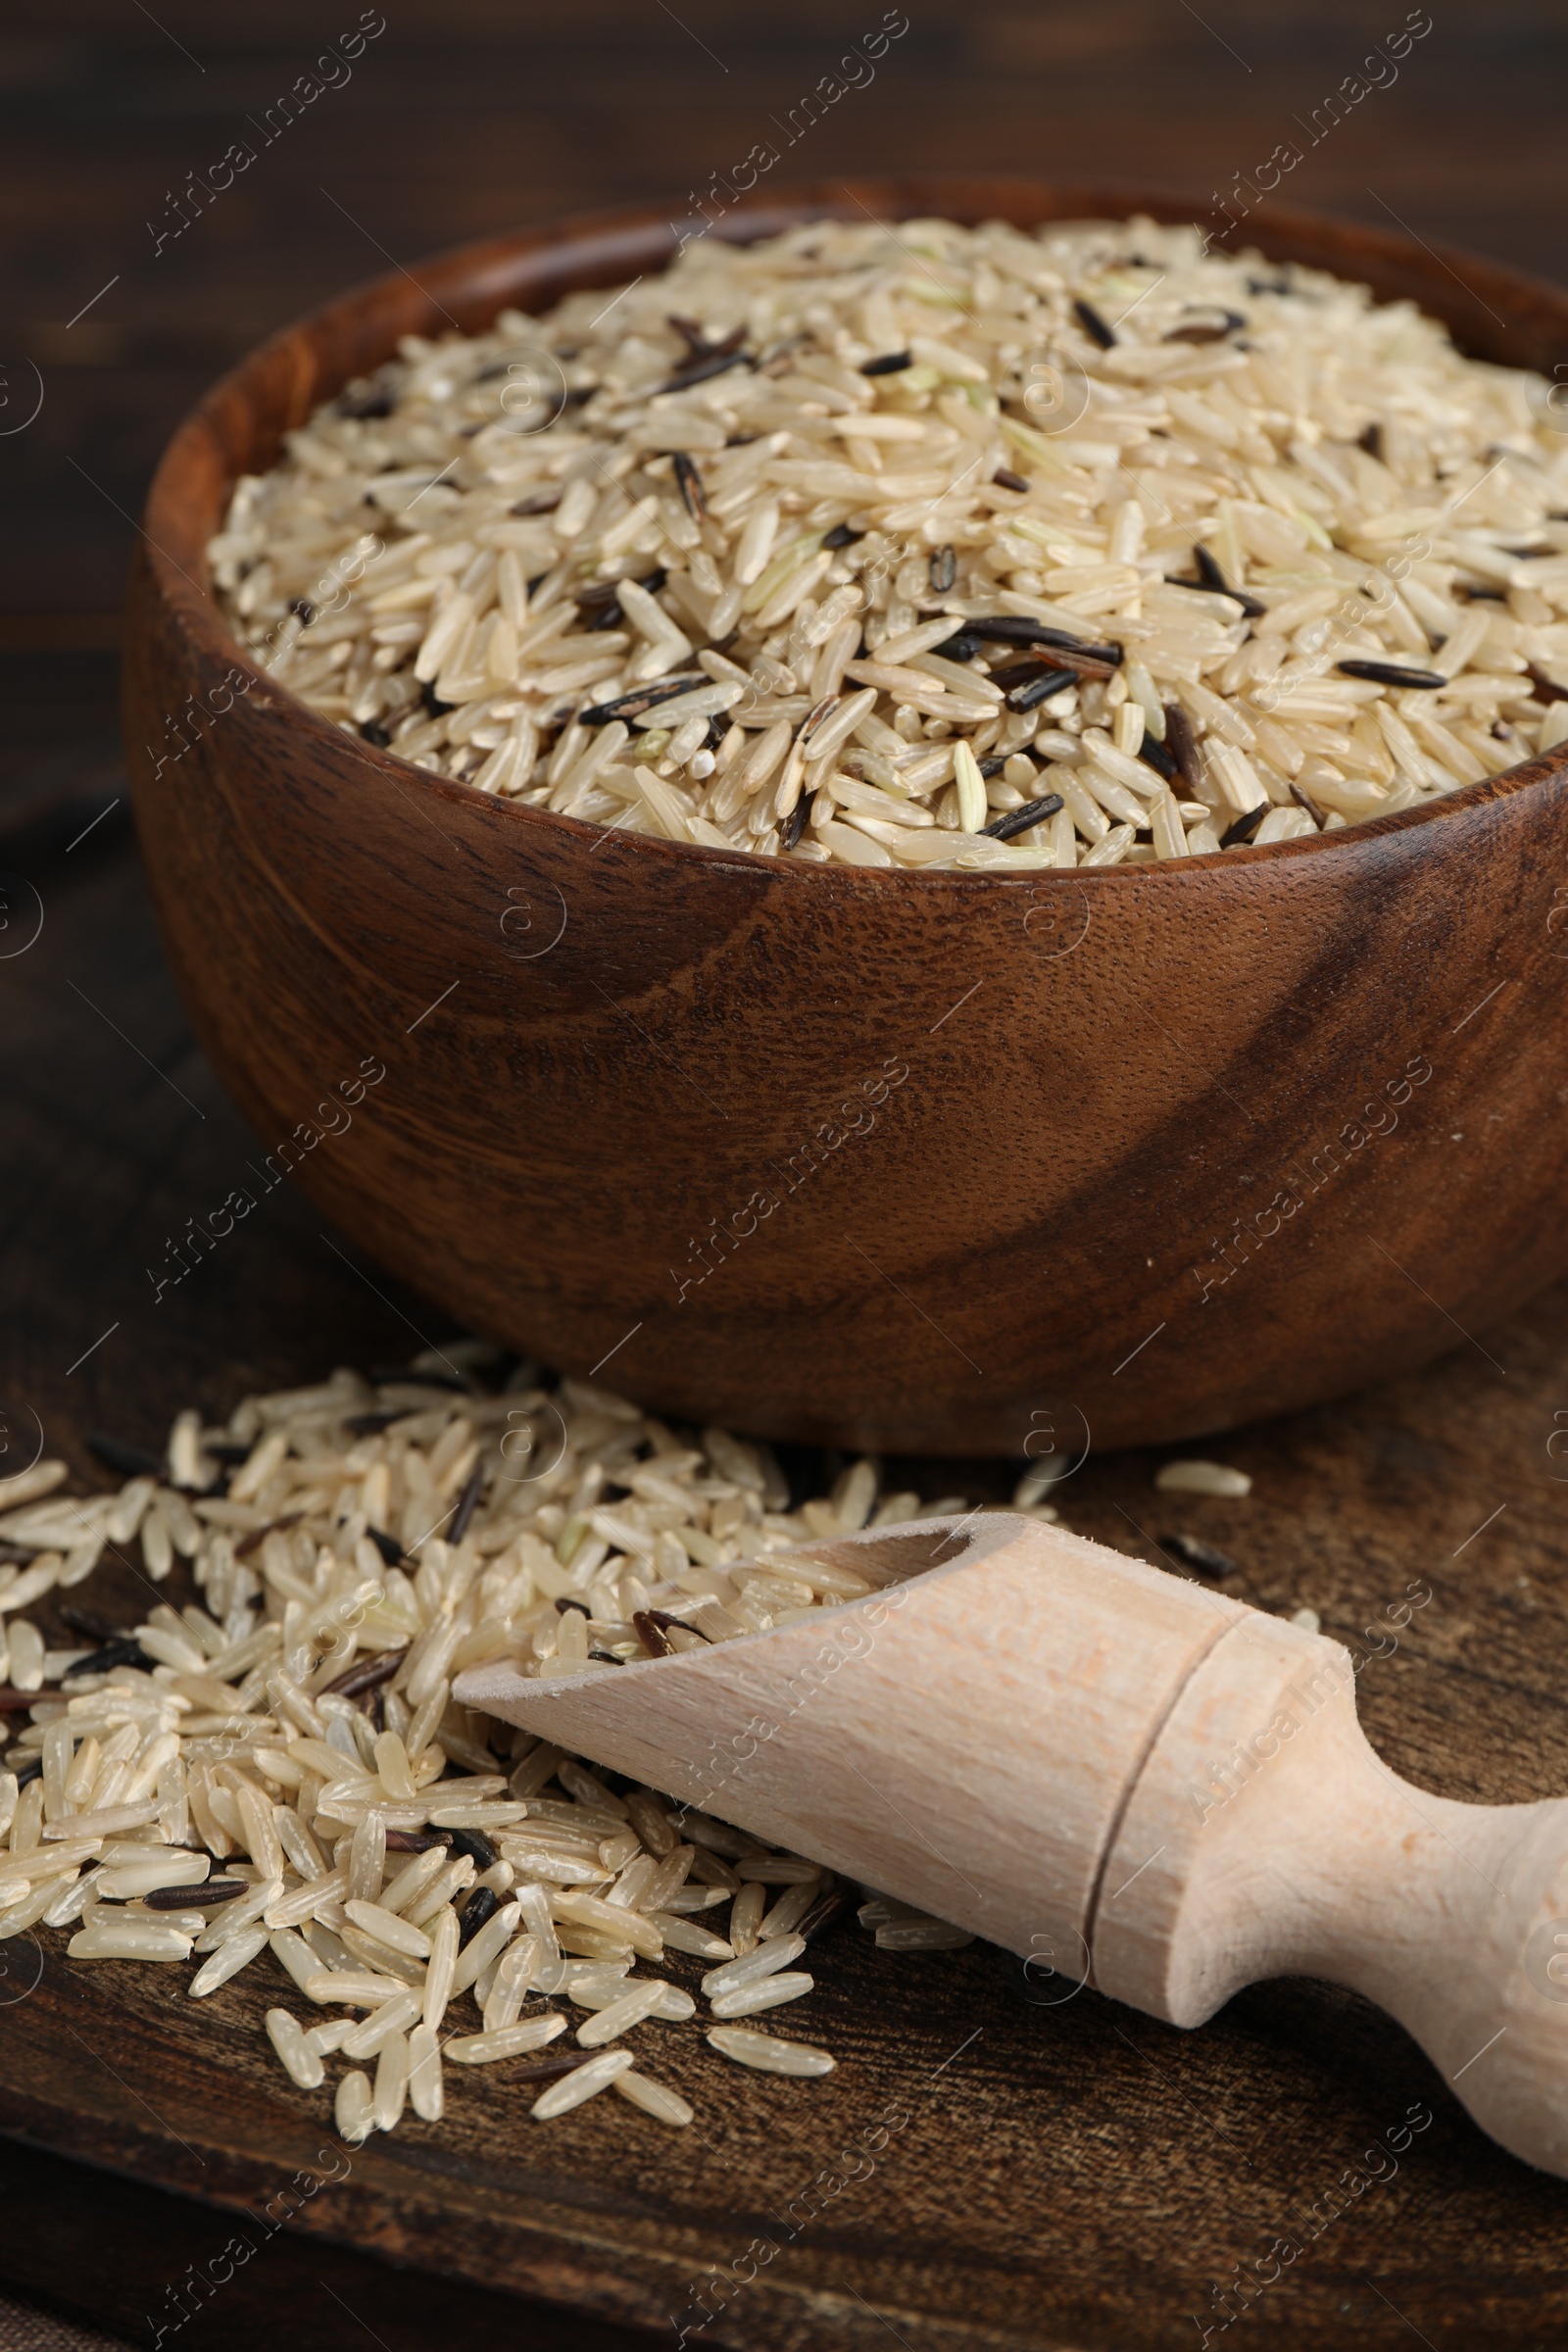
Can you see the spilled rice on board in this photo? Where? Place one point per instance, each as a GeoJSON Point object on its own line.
{"type": "Point", "coordinates": [278, 1778]}
{"type": "Point", "coordinates": [931, 546]}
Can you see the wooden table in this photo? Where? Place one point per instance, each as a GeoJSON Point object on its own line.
{"type": "Point", "coordinates": [1065, 2173]}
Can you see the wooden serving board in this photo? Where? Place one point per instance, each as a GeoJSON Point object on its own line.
{"type": "Point", "coordinates": [991, 2164]}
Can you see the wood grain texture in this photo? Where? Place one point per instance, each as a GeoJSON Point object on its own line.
{"type": "Point", "coordinates": [1007, 1676]}
{"type": "Point", "coordinates": [1061, 1751]}
{"type": "Point", "coordinates": [1329, 1056]}
{"type": "Point", "coordinates": [1076, 2176]}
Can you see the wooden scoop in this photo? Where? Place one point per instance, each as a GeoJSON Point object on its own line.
{"type": "Point", "coordinates": [1128, 1779]}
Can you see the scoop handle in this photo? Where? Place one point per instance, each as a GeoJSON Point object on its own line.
{"type": "Point", "coordinates": [1265, 1837]}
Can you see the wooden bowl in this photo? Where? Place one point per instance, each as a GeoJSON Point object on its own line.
{"type": "Point", "coordinates": [941, 1162]}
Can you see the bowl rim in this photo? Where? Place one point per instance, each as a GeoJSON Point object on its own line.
{"type": "Point", "coordinates": [189, 597]}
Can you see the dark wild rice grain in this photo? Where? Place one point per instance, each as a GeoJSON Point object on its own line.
{"type": "Point", "coordinates": [1207, 330]}
{"type": "Point", "coordinates": [116, 1653]}
{"type": "Point", "coordinates": [547, 2069]}
{"type": "Point", "coordinates": [1016, 629]}
{"type": "Point", "coordinates": [1040, 689]}
{"type": "Point", "coordinates": [648, 1633]}
{"type": "Point", "coordinates": [1207, 1559]}
{"type": "Point", "coordinates": [716, 364]}
{"type": "Point", "coordinates": [796, 822]}
{"type": "Point", "coordinates": [207, 1896]}
{"type": "Point", "coordinates": [366, 1674]}
{"type": "Point", "coordinates": [1244, 828]}
{"type": "Point", "coordinates": [1182, 743]}
{"type": "Point", "coordinates": [814, 717]}
{"type": "Point", "coordinates": [474, 1844]}
{"type": "Point", "coordinates": [467, 1504]}
{"type": "Point", "coordinates": [1391, 673]}
{"type": "Point", "coordinates": [1020, 820]}
{"type": "Point", "coordinates": [664, 1618]}
{"type": "Point", "coordinates": [1211, 577]}
{"type": "Point", "coordinates": [481, 1905]}
{"type": "Point", "coordinates": [645, 698]}
{"type": "Point", "coordinates": [690, 484]}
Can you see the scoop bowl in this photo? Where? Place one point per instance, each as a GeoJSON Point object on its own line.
{"type": "Point", "coordinates": [1126, 1777]}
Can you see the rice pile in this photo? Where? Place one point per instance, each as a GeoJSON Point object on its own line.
{"type": "Point", "coordinates": [931, 547]}
{"type": "Point", "coordinates": [277, 1777]}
